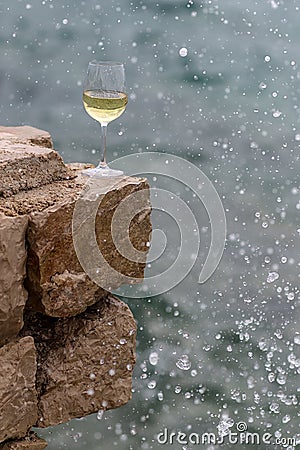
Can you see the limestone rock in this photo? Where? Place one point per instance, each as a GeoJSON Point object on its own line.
{"type": "Point", "coordinates": [85, 362]}
{"type": "Point", "coordinates": [68, 294]}
{"type": "Point", "coordinates": [18, 398]}
{"type": "Point", "coordinates": [25, 165]}
{"type": "Point", "coordinates": [13, 296]}
{"type": "Point", "coordinates": [41, 198]}
{"type": "Point", "coordinates": [31, 442]}
{"type": "Point", "coordinates": [82, 337]}
{"type": "Point", "coordinates": [26, 134]}
{"type": "Point", "coordinates": [51, 252]}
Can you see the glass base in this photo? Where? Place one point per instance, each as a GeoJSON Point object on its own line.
{"type": "Point", "coordinates": [99, 172]}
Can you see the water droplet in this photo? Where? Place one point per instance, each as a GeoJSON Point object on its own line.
{"type": "Point", "coordinates": [90, 392]}
{"type": "Point", "coordinates": [133, 431]}
{"type": "Point", "coordinates": [153, 358]}
{"type": "Point", "coordinates": [160, 396]}
{"type": "Point", "coordinates": [152, 384]}
{"type": "Point", "coordinates": [281, 379]}
{"type": "Point", "coordinates": [183, 52]}
{"type": "Point", "coordinates": [297, 339]}
{"type": "Point", "coordinates": [256, 398]}
{"type": "Point", "coordinates": [235, 395]}
{"type": "Point", "coordinates": [183, 363]}
{"type": "Point", "coordinates": [263, 345]}
{"type": "Point", "coordinates": [111, 372]}
{"type": "Point", "coordinates": [267, 58]}
{"type": "Point", "coordinates": [274, 407]}
{"type": "Point", "coordinates": [271, 377]}
{"type": "Point", "coordinates": [100, 414]}
{"type": "Point", "coordinates": [273, 276]}
{"type": "Point", "coordinates": [123, 341]}
{"type": "Point", "coordinates": [292, 359]}
{"type": "Point", "coordinates": [77, 436]}
{"type": "Point", "coordinates": [177, 389]}
{"type": "Point", "coordinates": [278, 334]}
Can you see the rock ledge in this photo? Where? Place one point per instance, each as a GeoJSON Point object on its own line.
{"type": "Point", "coordinates": [67, 346]}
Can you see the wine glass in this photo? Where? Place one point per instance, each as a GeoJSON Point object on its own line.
{"type": "Point", "coordinates": [104, 99]}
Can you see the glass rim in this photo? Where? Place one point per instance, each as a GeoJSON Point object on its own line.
{"type": "Point", "coordinates": [95, 62]}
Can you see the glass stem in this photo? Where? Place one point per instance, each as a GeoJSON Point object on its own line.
{"type": "Point", "coordinates": [103, 162]}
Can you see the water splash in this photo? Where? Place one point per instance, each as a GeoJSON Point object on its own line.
{"type": "Point", "coordinates": [183, 363]}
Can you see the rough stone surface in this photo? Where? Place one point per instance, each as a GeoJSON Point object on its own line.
{"type": "Point", "coordinates": [41, 198]}
{"type": "Point", "coordinates": [83, 338]}
{"type": "Point", "coordinates": [18, 399]}
{"type": "Point", "coordinates": [85, 362]}
{"type": "Point", "coordinates": [69, 294]}
{"type": "Point", "coordinates": [31, 442]}
{"type": "Point", "coordinates": [51, 251]}
{"type": "Point", "coordinates": [27, 160]}
{"type": "Point", "coordinates": [13, 296]}
{"type": "Point", "coordinates": [26, 134]}
{"type": "Point", "coordinates": [52, 257]}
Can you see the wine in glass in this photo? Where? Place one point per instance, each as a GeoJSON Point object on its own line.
{"type": "Point", "coordinates": [104, 99]}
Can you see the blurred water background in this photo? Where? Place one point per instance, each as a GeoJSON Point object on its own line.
{"type": "Point", "coordinates": [217, 83]}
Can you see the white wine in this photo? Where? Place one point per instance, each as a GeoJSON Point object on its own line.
{"type": "Point", "coordinates": [104, 106]}
{"type": "Point", "coordinates": [104, 100]}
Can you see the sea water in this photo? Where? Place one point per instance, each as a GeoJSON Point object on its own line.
{"type": "Point", "coordinates": [216, 83]}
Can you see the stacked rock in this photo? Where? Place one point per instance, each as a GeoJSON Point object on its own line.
{"type": "Point", "coordinates": [67, 346]}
